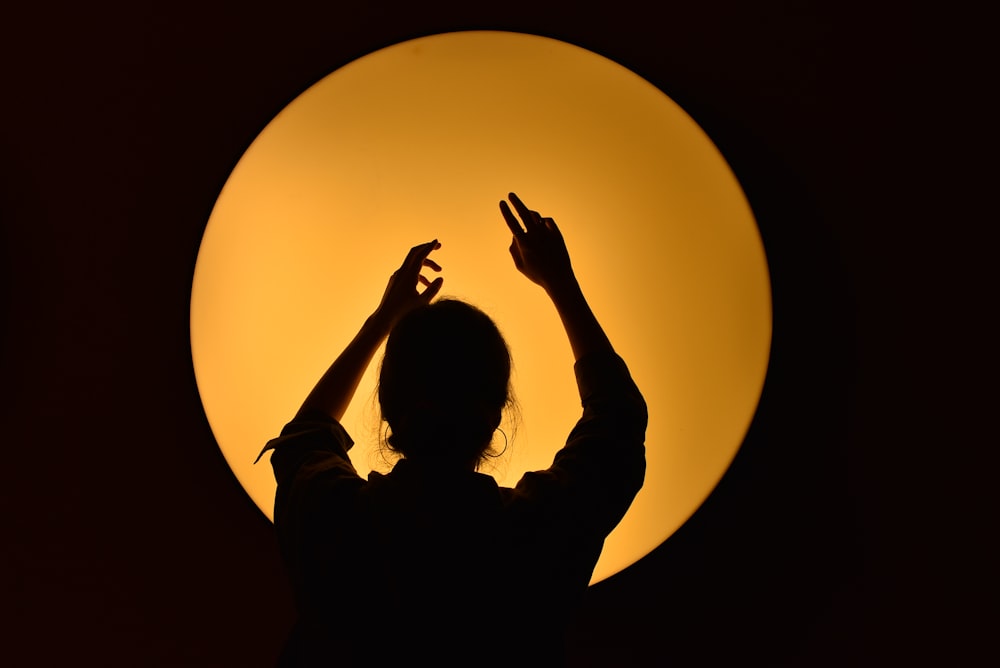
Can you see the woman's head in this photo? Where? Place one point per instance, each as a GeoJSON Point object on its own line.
{"type": "Point", "coordinates": [443, 383]}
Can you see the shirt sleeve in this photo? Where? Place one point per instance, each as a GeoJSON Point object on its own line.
{"type": "Point", "coordinates": [307, 441]}
{"type": "Point", "coordinates": [596, 475]}
{"type": "Point", "coordinates": [314, 474]}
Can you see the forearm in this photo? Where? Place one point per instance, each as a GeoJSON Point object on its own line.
{"type": "Point", "coordinates": [334, 391]}
{"type": "Point", "coordinates": [586, 336]}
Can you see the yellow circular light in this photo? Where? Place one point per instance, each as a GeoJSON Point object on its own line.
{"type": "Point", "coordinates": [420, 141]}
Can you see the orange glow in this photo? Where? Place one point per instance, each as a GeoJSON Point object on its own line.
{"type": "Point", "coordinates": [420, 141]}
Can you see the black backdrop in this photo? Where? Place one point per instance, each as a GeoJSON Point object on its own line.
{"type": "Point", "coordinates": [840, 535]}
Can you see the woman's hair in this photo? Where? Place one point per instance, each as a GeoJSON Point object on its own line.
{"type": "Point", "coordinates": [443, 383]}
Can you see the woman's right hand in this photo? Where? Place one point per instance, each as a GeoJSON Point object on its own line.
{"type": "Point", "coordinates": [538, 248]}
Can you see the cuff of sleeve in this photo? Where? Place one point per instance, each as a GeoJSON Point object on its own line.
{"type": "Point", "coordinates": [314, 427]}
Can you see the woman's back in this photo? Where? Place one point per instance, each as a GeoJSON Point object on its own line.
{"type": "Point", "coordinates": [433, 560]}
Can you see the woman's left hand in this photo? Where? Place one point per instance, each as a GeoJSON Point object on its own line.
{"type": "Point", "coordinates": [401, 295]}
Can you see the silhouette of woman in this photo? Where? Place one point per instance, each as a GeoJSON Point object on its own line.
{"type": "Point", "coordinates": [434, 563]}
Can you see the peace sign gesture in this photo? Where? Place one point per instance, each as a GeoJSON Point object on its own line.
{"type": "Point", "coordinates": [538, 248]}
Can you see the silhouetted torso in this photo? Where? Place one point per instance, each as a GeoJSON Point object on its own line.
{"type": "Point", "coordinates": [445, 565]}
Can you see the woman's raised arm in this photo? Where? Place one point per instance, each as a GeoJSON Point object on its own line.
{"type": "Point", "coordinates": [539, 253]}
{"type": "Point", "coordinates": [334, 391]}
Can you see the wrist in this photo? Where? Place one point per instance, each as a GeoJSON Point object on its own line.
{"type": "Point", "coordinates": [563, 290]}
{"type": "Point", "coordinates": [378, 324]}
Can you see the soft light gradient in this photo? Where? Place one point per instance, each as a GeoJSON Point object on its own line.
{"type": "Point", "coordinates": [420, 141]}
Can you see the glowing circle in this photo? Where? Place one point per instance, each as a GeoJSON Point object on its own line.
{"type": "Point", "coordinates": [420, 141]}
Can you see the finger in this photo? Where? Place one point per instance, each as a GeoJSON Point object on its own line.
{"type": "Point", "coordinates": [521, 209]}
{"type": "Point", "coordinates": [415, 258]}
{"type": "Point", "coordinates": [423, 250]}
{"type": "Point", "coordinates": [512, 223]}
{"type": "Point", "coordinates": [413, 252]}
{"type": "Point", "coordinates": [432, 290]}
{"type": "Point", "coordinates": [423, 279]}
{"type": "Point", "coordinates": [530, 218]}
{"type": "Point", "coordinates": [432, 264]}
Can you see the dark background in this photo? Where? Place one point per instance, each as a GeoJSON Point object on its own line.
{"type": "Point", "coordinates": [853, 526]}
